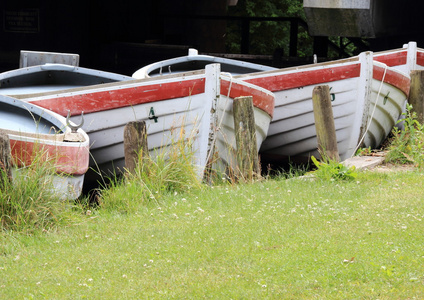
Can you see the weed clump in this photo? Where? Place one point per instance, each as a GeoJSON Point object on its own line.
{"type": "Point", "coordinates": [331, 170]}
{"type": "Point", "coordinates": [407, 146]}
{"type": "Point", "coordinates": [168, 171]}
{"type": "Point", "coordinates": [29, 200]}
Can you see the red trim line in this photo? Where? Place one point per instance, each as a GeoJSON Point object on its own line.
{"type": "Point", "coordinates": [126, 96]}
{"type": "Point", "coordinates": [420, 58]}
{"type": "Point", "coordinates": [393, 59]}
{"type": "Point", "coordinates": [284, 81]}
{"type": "Point", "coordinates": [261, 100]}
{"type": "Point", "coordinates": [392, 77]}
{"type": "Point", "coordinates": [68, 160]}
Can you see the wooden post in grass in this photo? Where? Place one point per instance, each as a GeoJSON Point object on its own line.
{"type": "Point", "coordinates": [416, 94]}
{"type": "Point", "coordinates": [5, 156]}
{"type": "Point", "coordinates": [135, 143]}
{"type": "Point", "coordinates": [245, 131]}
{"type": "Point", "coordinates": [324, 123]}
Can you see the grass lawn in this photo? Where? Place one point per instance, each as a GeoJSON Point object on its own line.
{"type": "Point", "coordinates": [274, 239]}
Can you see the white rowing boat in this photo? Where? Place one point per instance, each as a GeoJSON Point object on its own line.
{"type": "Point", "coordinates": [39, 134]}
{"type": "Point", "coordinates": [367, 98]}
{"type": "Point", "coordinates": [194, 101]}
{"type": "Point", "coordinates": [195, 61]}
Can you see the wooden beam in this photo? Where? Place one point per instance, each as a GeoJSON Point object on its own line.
{"type": "Point", "coordinates": [5, 156]}
{"type": "Point", "coordinates": [324, 123]}
{"type": "Point", "coordinates": [416, 94]}
{"type": "Point", "coordinates": [135, 144]}
{"type": "Point", "coordinates": [245, 131]}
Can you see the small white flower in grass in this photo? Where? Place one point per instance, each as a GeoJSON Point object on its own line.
{"type": "Point", "coordinates": [124, 276]}
{"type": "Point", "coordinates": [38, 283]}
{"type": "Point", "coordinates": [78, 268]}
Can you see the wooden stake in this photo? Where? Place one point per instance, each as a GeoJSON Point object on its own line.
{"type": "Point", "coordinates": [416, 94]}
{"type": "Point", "coordinates": [135, 143]}
{"type": "Point", "coordinates": [244, 124]}
{"type": "Point", "coordinates": [324, 123]}
{"type": "Point", "coordinates": [5, 155]}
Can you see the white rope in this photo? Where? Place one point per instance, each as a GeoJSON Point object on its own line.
{"type": "Point", "coordinates": [373, 111]}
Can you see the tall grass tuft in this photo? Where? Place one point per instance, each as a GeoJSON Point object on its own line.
{"type": "Point", "coordinates": [169, 171]}
{"type": "Point", "coordinates": [331, 170]}
{"type": "Point", "coordinates": [29, 201]}
{"type": "Point", "coordinates": [407, 145]}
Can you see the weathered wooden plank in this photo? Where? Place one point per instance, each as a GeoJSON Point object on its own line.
{"type": "Point", "coordinates": [324, 123]}
{"type": "Point", "coordinates": [5, 156]}
{"type": "Point", "coordinates": [135, 144]}
{"type": "Point", "coordinates": [245, 131]}
{"type": "Point", "coordinates": [416, 94]}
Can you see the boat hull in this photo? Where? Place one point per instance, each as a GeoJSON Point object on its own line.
{"type": "Point", "coordinates": [52, 77]}
{"type": "Point", "coordinates": [354, 84]}
{"type": "Point", "coordinates": [193, 61]}
{"type": "Point", "coordinates": [36, 134]}
{"type": "Point", "coordinates": [169, 105]}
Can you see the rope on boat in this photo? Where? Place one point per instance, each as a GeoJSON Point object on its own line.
{"type": "Point", "coordinates": [373, 111]}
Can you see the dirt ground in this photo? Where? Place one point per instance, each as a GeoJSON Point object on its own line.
{"type": "Point", "coordinates": [387, 167]}
{"type": "Point", "coordinates": [375, 162]}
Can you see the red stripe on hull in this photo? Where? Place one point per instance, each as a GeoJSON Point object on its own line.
{"type": "Point", "coordinates": [420, 58]}
{"type": "Point", "coordinates": [281, 82]}
{"type": "Point", "coordinates": [393, 59]}
{"type": "Point", "coordinates": [122, 97]}
{"type": "Point", "coordinates": [111, 99]}
{"type": "Point", "coordinates": [68, 160]}
{"type": "Point", "coordinates": [394, 78]}
{"type": "Point", "coordinates": [260, 99]}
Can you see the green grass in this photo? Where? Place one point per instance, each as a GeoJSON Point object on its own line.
{"type": "Point", "coordinates": [407, 145]}
{"type": "Point", "coordinates": [29, 201]}
{"type": "Point", "coordinates": [274, 239]}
